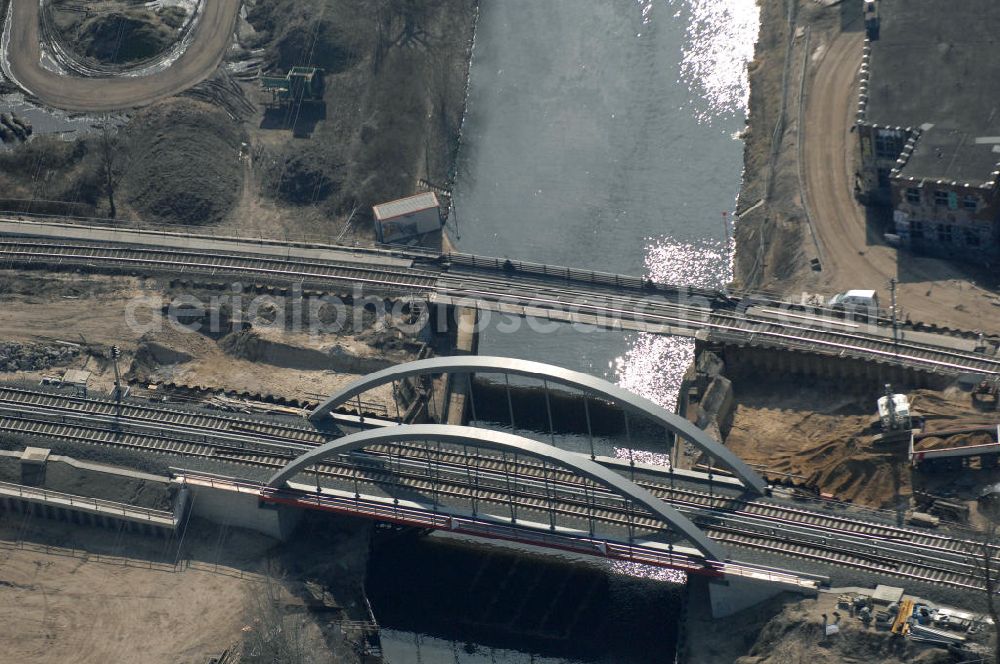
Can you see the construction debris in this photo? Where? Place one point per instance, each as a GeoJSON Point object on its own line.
{"type": "Point", "coordinates": [34, 357]}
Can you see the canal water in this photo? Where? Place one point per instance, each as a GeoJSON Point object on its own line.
{"type": "Point", "coordinates": [604, 135]}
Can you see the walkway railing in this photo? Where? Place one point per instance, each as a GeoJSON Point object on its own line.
{"type": "Point", "coordinates": [95, 505]}
{"type": "Point", "coordinates": [646, 553]}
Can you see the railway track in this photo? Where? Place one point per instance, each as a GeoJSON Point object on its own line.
{"type": "Point", "coordinates": [697, 313]}
{"type": "Point", "coordinates": [298, 436]}
{"type": "Point", "coordinates": [252, 268]}
{"type": "Point", "coordinates": [654, 310]}
{"type": "Point", "coordinates": [199, 420]}
{"type": "Point", "coordinates": [481, 478]}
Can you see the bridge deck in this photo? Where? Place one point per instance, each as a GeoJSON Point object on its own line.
{"type": "Point", "coordinates": [780, 528]}
{"type": "Point", "coordinates": [548, 292]}
{"type": "Point", "coordinates": [535, 534]}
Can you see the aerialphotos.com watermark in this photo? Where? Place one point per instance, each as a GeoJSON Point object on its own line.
{"type": "Point", "coordinates": [667, 312]}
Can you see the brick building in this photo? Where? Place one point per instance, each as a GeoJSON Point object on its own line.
{"type": "Point", "coordinates": [928, 123]}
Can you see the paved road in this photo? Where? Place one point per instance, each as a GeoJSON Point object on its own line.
{"type": "Point", "coordinates": [212, 37]}
{"type": "Point", "coordinates": [930, 289]}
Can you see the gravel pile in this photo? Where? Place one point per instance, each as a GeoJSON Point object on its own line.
{"type": "Point", "coordinates": [183, 163]}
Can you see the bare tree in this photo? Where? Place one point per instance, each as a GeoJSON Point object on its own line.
{"type": "Point", "coordinates": [985, 559]}
{"type": "Point", "coordinates": [271, 636]}
{"type": "Point", "coordinates": [110, 164]}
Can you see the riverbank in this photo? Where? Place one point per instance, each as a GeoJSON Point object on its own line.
{"type": "Point", "coordinates": [800, 228]}
{"type": "Point", "coordinates": [774, 242]}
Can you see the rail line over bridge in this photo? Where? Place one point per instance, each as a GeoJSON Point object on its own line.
{"type": "Point", "coordinates": [494, 493]}
{"type": "Point", "coordinates": [499, 285]}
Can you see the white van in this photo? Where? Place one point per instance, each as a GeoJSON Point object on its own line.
{"type": "Point", "coordinates": [857, 299]}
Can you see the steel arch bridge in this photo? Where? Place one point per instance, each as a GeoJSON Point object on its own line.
{"type": "Point", "coordinates": [590, 385]}
{"type": "Point", "coordinates": [506, 443]}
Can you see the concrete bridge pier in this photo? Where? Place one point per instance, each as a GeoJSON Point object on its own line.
{"type": "Point", "coordinates": [734, 594]}
{"type": "Point", "coordinates": [466, 343]}
{"type": "Point", "coordinates": [243, 509]}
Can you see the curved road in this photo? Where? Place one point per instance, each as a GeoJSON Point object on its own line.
{"type": "Point", "coordinates": [212, 36]}
{"type": "Point", "coordinates": [929, 289]}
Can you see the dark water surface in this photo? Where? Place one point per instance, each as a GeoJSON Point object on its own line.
{"type": "Point", "coordinates": [601, 134]}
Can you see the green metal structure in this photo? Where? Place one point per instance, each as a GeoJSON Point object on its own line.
{"type": "Point", "coordinates": [300, 84]}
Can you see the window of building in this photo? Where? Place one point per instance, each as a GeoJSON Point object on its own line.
{"type": "Point", "coordinates": [913, 195]}
{"type": "Point", "coordinates": [944, 233]}
{"type": "Point", "coordinates": [970, 202]}
{"type": "Point", "coordinates": [883, 178]}
{"type": "Point", "coordinates": [972, 237]}
{"type": "Point", "coordinates": [888, 146]}
{"type": "Point", "coordinates": [941, 198]}
{"type": "Point", "coordinates": [917, 230]}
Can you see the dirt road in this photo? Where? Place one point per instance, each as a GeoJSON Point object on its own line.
{"type": "Point", "coordinates": [930, 290]}
{"type": "Point", "coordinates": [22, 57]}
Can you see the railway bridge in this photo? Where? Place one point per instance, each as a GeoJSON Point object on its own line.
{"type": "Point", "coordinates": [470, 481]}
{"type": "Point", "coordinates": [513, 288]}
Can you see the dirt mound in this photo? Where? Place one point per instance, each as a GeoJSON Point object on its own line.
{"type": "Point", "coordinates": [184, 163]}
{"type": "Point", "coordinates": [304, 175]}
{"type": "Point", "coordinates": [114, 32]}
{"type": "Point", "coordinates": [124, 37]}
{"type": "Point", "coordinates": [957, 440]}
{"type": "Point", "coordinates": [244, 344]}
{"type": "Point", "coordinates": [34, 357]}
{"type": "Point", "coordinates": [823, 438]}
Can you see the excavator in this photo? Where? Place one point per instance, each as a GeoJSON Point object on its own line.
{"type": "Point", "coordinates": [986, 395]}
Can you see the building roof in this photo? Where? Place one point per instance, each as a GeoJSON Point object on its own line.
{"type": "Point", "coordinates": [934, 66]}
{"type": "Point", "coordinates": [953, 155]}
{"type": "Point", "coordinates": [405, 206]}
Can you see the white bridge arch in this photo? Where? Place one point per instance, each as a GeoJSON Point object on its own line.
{"type": "Point", "coordinates": [506, 442]}
{"type": "Point", "coordinates": [591, 385]}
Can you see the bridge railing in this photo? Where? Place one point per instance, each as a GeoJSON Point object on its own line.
{"type": "Point", "coordinates": [430, 519]}
{"type": "Point", "coordinates": [569, 273]}
{"type": "Point", "coordinates": [108, 507]}
{"type": "Point", "coordinates": [644, 553]}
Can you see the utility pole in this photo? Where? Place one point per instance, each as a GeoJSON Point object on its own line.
{"type": "Point", "coordinates": [895, 324]}
{"type": "Point", "coordinates": [116, 352]}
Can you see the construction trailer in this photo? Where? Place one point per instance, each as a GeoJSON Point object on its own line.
{"type": "Point", "coordinates": [300, 84]}
{"type": "Point", "coordinates": [407, 218]}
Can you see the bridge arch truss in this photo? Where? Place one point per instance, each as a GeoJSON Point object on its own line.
{"type": "Point", "coordinates": [506, 443]}
{"type": "Point", "coordinates": [590, 385]}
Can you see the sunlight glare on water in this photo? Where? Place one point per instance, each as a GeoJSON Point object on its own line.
{"type": "Point", "coordinates": [654, 364]}
{"type": "Point", "coordinates": [720, 40]}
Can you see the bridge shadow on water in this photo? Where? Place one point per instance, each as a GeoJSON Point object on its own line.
{"type": "Point", "coordinates": [485, 597]}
